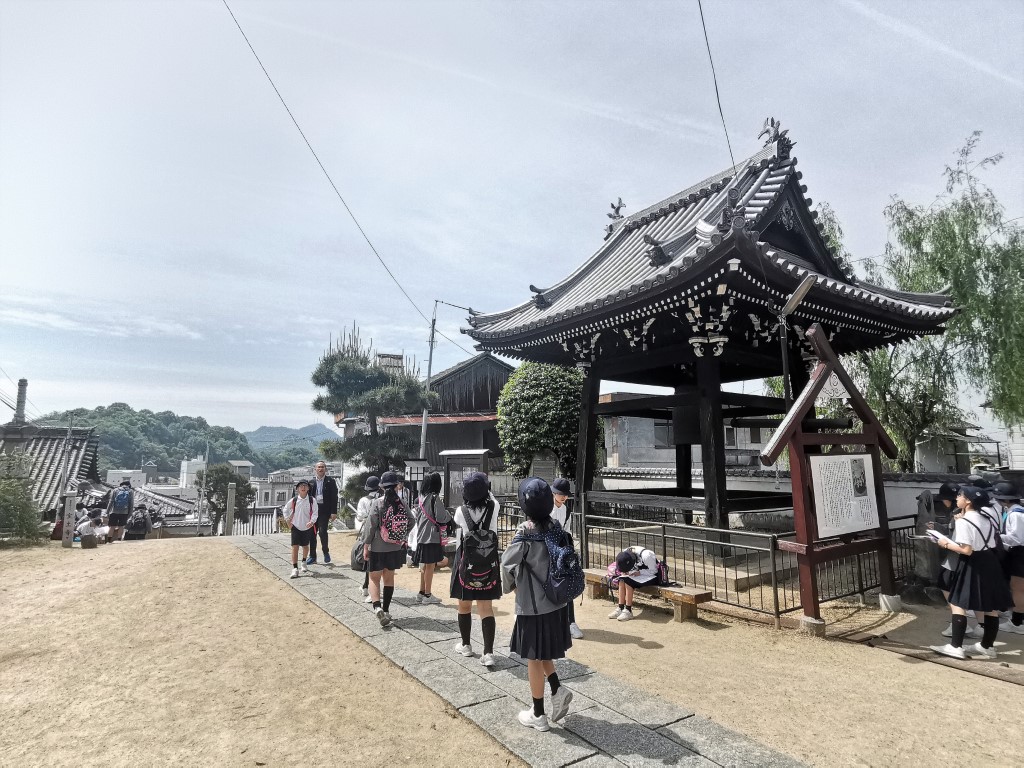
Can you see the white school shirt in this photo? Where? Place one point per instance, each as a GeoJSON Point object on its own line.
{"type": "Point", "coordinates": [973, 529]}
{"type": "Point", "coordinates": [1013, 528]}
{"type": "Point", "coordinates": [559, 513]}
{"type": "Point", "coordinates": [646, 568]}
{"type": "Point", "coordinates": [300, 513]}
{"type": "Point", "coordinates": [461, 524]}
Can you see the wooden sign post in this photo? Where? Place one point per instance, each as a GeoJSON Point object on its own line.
{"type": "Point", "coordinates": [838, 498]}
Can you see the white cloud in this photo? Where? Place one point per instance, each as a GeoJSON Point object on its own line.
{"type": "Point", "coordinates": [919, 36]}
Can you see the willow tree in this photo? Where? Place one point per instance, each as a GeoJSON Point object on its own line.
{"type": "Point", "coordinates": [964, 243]}
{"type": "Point", "coordinates": [358, 383]}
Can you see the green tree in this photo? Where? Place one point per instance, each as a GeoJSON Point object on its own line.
{"type": "Point", "coordinates": [19, 514]}
{"type": "Point", "coordinates": [962, 242]}
{"type": "Point", "coordinates": [216, 485]}
{"type": "Point", "coordinates": [358, 385]}
{"type": "Point", "coordinates": [538, 410]}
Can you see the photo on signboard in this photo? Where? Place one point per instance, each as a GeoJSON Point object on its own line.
{"type": "Point", "coordinates": [860, 479]}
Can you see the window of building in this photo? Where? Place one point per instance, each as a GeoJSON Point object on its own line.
{"type": "Point", "coordinates": [280, 497]}
{"type": "Point", "coordinates": [663, 434]}
{"type": "Point", "coordinates": [266, 497]}
{"type": "Point", "coordinates": [730, 437]}
{"type": "Point", "coordinates": [755, 435]}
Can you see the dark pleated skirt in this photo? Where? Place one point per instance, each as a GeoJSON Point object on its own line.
{"type": "Point", "coordinates": [458, 592]}
{"type": "Point", "coordinates": [428, 553]}
{"type": "Point", "coordinates": [390, 561]}
{"type": "Point", "coordinates": [979, 583]}
{"type": "Point", "coordinates": [542, 637]}
{"type": "Point", "coordinates": [1014, 563]}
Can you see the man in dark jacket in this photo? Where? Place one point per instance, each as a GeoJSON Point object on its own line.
{"type": "Point", "coordinates": [324, 489]}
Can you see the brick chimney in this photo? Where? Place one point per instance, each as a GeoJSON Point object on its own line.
{"type": "Point", "coordinates": [19, 412]}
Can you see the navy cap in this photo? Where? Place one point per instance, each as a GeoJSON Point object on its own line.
{"type": "Point", "coordinates": [625, 561]}
{"type": "Point", "coordinates": [948, 491]}
{"type": "Point", "coordinates": [475, 487]}
{"type": "Point", "coordinates": [535, 498]}
{"type": "Point", "coordinates": [1005, 491]}
{"type": "Point", "coordinates": [389, 480]}
{"type": "Point", "coordinates": [561, 486]}
{"type": "Point", "coordinates": [977, 481]}
{"type": "Point", "coordinates": [372, 483]}
{"type": "Point", "coordinates": [977, 496]}
{"type": "Point", "coordinates": [302, 482]}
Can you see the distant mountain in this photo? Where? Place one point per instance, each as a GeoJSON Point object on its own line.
{"type": "Point", "coordinates": [275, 439]}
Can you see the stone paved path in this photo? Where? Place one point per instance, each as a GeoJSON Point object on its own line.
{"type": "Point", "coordinates": [609, 723]}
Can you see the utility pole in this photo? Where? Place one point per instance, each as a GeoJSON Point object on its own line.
{"type": "Point", "coordinates": [430, 362]}
{"type": "Point", "coordinates": [67, 498]}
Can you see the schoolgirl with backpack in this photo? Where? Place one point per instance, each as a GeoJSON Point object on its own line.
{"type": "Point", "coordinates": [476, 568]}
{"type": "Point", "coordinates": [387, 528]}
{"type": "Point", "coordinates": [633, 567]}
{"type": "Point", "coordinates": [430, 516]}
{"type": "Point", "coordinates": [977, 583]}
{"type": "Point", "coordinates": [541, 566]}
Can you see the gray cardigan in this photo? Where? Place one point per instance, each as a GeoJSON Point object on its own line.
{"type": "Point", "coordinates": [371, 532]}
{"type": "Point", "coordinates": [524, 567]}
{"type": "Point", "coordinates": [426, 531]}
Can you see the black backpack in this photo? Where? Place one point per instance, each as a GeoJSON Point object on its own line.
{"type": "Point", "coordinates": [479, 568]}
{"type": "Point", "coordinates": [137, 522]}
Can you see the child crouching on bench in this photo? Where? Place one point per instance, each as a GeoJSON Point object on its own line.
{"type": "Point", "coordinates": [637, 567]}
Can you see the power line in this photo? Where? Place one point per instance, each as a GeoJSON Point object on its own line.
{"type": "Point", "coordinates": [714, 77]}
{"type": "Point", "coordinates": [329, 179]}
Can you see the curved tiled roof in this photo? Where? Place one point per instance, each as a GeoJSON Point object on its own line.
{"type": "Point", "coordinates": [667, 243]}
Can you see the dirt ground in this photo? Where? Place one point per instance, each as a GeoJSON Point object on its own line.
{"type": "Point", "coordinates": [196, 654]}
{"type": "Point", "coordinates": [185, 652]}
{"type": "Point", "coordinates": [827, 702]}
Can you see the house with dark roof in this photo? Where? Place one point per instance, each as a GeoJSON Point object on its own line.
{"type": "Point", "coordinates": [465, 415]}
{"type": "Point", "coordinates": [53, 458]}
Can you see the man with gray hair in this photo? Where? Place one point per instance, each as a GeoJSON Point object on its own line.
{"type": "Point", "coordinates": [324, 490]}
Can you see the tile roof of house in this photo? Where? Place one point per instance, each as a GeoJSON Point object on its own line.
{"type": "Point", "coordinates": [435, 418]}
{"type": "Point", "coordinates": [47, 451]}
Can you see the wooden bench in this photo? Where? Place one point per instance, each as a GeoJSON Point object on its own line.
{"type": "Point", "coordinates": [684, 599]}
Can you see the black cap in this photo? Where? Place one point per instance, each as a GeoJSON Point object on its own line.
{"type": "Point", "coordinates": [302, 482]}
{"type": "Point", "coordinates": [1005, 491]}
{"type": "Point", "coordinates": [977, 496]}
{"type": "Point", "coordinates": [978, 481]}
{"type": "Point", "coordinates": [561, 486]}
{"type": "Point", "coordinates": [143, 507]}
{"type": "Point", "coordinates": [389, 480]}
{"type": "Point", "coordinates": [535, 498]}
{"type": "Point", "coordinates": [475, 487]}
{"type": "Point", "coordinates": [948, 491]}
{"type": "Point", "coordinates": [625, 561]}
{"type": "Point", "coordinates": [372, 483]}
{"type": "Point", "coordinates": [126, 481]}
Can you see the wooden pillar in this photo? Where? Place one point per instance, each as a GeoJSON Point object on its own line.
{"type": "Point", "coordinates": [585, 458]}
{"type": "Point", "coordinates": [685, 433]}
{"type": "Point", "coordinates": [806, 529]}
{"type": "Point", "coordinates": [712, 442]}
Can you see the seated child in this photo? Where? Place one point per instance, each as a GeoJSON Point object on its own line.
{"type": "Point", "coordinates": [636, 567]}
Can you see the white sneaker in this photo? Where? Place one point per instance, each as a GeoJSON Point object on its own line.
{"type": "Point", "coordinates": [977, 652]}
{"type": "Point", "coordinates": [365, 591]}
{"type": "Point", "coordinates": [560, 703]}
{"type": "Point", "coordinates": [615, 614]}
{"type": "Point", "coordinates": [527, 718]}
{"type": "Point", "coordinates": [487, 659]}
{"type": "Point", "coordinates": [295, 573]}
{"type": "Point", "coordinates": [304, 569]}
{"type": "Point", "coordinates": [431, 600]}
{"type": "Point", "coordinates": [465, 650]}
{"type": "Point", "coordinates": [367, 599]}
{"type": "Point", "coordinates": [949, 650]}
{"type": "Point", "coordinates": [577, 634]}
{"type": "Point", "coordinates": [1012, 628]}
{"type": "Point", "coordinates": [948, 631]}
{"type": "Point", "coordinates": [626, 615]}
{"type": "Point", "coordinates": [382, 617]}
{"type": "Point", "coordinates": [977, 631]}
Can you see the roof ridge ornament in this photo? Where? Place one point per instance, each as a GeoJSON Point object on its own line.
{"type": "Point", "coordinates": [656, 253]}
{"type": "Point", "coordinates": [539, 301]}
{"type": "Point", "coordinates": [773, 129]}
{"type": "Point", "coordinates": [616, 214]}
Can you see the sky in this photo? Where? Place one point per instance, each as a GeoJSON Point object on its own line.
{"type": "Point", "coordinates": [167, 239]}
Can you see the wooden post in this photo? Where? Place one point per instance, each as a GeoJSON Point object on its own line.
{"type": "Point", "coordinates": [68, 534]}
{"type": "Point", "coordinates": [684, 433]}
{"type": "Point", "coordinates": [229, 513]}
{"type": "Point", "coordinates": [806, 530]}
{"type": "Point", "coordinates": [712, 442]}
{"type": "Point", "coordinates": [585, 453]}
{"type": "Point", "coordinates": [886, 577]}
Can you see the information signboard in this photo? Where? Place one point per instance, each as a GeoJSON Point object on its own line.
{"type": "Point", "coordinates": [844, 493]}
